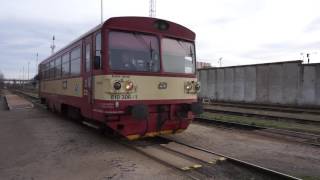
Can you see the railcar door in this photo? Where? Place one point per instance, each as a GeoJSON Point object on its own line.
{"type": "Point", "coordinates": [87, 77]}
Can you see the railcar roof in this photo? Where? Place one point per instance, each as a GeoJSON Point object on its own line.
{"type": "Point", "coordinates": [72, 42]}
{"type": "Point", "coordinates": [114, 20]}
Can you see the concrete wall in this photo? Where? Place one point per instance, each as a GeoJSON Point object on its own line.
{"type": "Point", "coordinates": [284, 83]}
{"type": "Point", "coordinates": [308, 85]}
{"type": "Point", "coordinates": [250, 84]}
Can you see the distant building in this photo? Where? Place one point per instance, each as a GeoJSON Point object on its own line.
{"type": "Point", "coordinates": [201, 65]}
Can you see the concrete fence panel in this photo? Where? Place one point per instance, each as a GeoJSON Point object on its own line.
{"type": "Point", "coordinates": [228, 84]}
{"type": "Point", "coordinates": [204, 83]}
{"type": "Point", "coordinates": [250, 84]}
{"type": "Point", "coordinates": [212, 83]}
{"type": "Point", "coordinates": [275, 83]}
{"type": "Point", "coordinates": [262, 84]}
{"type": "Point", "coordinates": [317, 85]}
{"type": "Point", "coordinates": [239, 84]}
{"type": "Point", "coordinates": [284, 83]}
{"type": "Point", "coordinates": [308, 94]}
{"type": "Point", "coordinates": [220, 84]}
{"type": "Point", "coordinates": [291, 81]}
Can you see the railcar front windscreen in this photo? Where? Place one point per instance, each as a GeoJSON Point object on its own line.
{"type": "Point", "coordinates": [178, 56]}
{"type": "Point", "coordinates": [133, 52]}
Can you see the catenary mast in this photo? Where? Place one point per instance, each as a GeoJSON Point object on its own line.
{"type": "Point", "coordinates": [152, 8]}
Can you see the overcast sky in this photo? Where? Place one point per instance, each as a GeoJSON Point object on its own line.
{"type": "Point", "coordinates": [241, 31]}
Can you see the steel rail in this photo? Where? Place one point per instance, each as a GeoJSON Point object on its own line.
{"type": "Point", "coordinates": [289, 109]}
{"type": "Point", "coordinates": [241, 162]}
{"type": "Point", "coordinates": [298, 120]}
{"type": "Point", "coordinates": [261, 169]}
{"type": "Point", "coordinates": [310, 139]}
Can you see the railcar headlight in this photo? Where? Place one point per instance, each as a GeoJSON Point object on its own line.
{"type": "Point", "coordinates": [188, 86]}
{"type": "Point", "coordinates": [129, 85]}
{"type": "Point", "coordinates": [117, 85]}
{"type": "Point", "coordinates": [197, 86]}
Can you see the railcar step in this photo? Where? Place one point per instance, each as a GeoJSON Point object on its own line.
{"type": "Point", "coordinates": [90, 124]}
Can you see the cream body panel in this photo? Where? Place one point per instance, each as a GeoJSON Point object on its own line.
{"type": "Point", "coordinates": [68, 87]}
{"type": "Point", "coordinates": [145, 87]}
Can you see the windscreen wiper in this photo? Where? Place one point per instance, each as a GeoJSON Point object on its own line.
{"type": "Point", "coordinates": [151, 50]}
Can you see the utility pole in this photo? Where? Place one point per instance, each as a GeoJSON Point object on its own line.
{"type": "Point", "coordinates": [101, 11]}
{"type": "Point", "coordinates": [23, 78]}
{"type": "Point", "coordinates": [220, 61]}
{"type": "Point", "coordinates": [152, 8]}
{"type": "Point", "coordinates": [28, 70]}
{"type": "Point", "coordinates": [307, 55]}
{"type": "Point", "coordinates": [52, 46]}
{"type": "Point", "coordinates": [37, 58]}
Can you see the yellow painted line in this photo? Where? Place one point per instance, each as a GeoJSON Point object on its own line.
{"type": "Point", "coordinates": [133, 137]}
{"type": "Point", "coordinates": [152, 134]}
{"type": "Point", "coordinates": [166, 132]}
{"type": "Point", "coordinates": [179, 130]}
{"type": "Point", "coordinates": [185, 168]}
{"type": "Point", "coordinates": [196, 166]}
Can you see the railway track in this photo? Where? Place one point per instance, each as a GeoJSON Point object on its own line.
{"type": "Point", "coordinates": [305, 138]}
{"type": "Point", "coordinates": [268, 107]}
{"type": "Point", "coordinates": [199, 163]}
{"type": "Point", "coordinates": [276, 115]}
{"type": "Point", "coordinates": [196, 162]}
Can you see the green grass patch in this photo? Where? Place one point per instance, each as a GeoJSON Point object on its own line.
{"type": "Point", "coordinates": [310, 178]}
{"type": "Point", "coordinates": [263, 122]}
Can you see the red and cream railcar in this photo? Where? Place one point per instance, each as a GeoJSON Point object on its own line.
{"type": "Point", "coordinates": [136, 75]}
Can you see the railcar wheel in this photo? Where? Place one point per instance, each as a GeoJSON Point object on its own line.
{"type": "Point", "coordinates": [43, 101]}
{"type": "Point", "coordinates": [74, 113]}
{"type": "Point", "coordinates": [64, 109]}
{"type": "Point", "coordinates": [54, 109]}
{"type": "Point", "coordinates": [47, 104]}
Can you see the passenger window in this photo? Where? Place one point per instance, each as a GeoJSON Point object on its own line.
{"type": "Point", "coordinates": [65, 65]}
{"type": "Point", "coordinates": [88, 55]}
{"type": "Point", "coordinates": [51, 71]}
{"type": "Point", "coordinates": [42, 71]}
{"type": "Point", "coordinates": [58, 68]}
{"type": "Point", "coordinates": [75, 62]}
{"type": "Point", "coordinates": [97, 58]}
{"type": "Point", "coordinates": [46, 71]}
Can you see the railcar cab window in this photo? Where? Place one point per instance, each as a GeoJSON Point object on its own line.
{"type": "Point", "coordinates": [42, 71]}
{"type": "Point", "coordinates": [133, 52]}
{"type": "Point", "coordinates": [87, 58]}
{"type": "Point", "coordinates": [65, 65]}
{"type": "Point", "coordinates": [97, 59]}
{"type": "Point", "coordinates": [51, 70]}
{"type": "Point", "coordinates": [178, 56]}
{"type": "Point", "coordinates": [58, 68]}
{"type": "Point", "coordinates": [75, 62]}
{"type": "Point", "coordinates": [46, 71]}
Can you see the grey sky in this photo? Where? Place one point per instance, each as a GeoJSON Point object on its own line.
{"type": "Point", "coordinates": [242, 31]}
